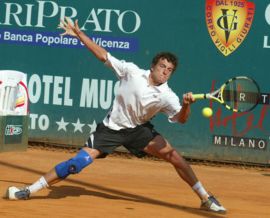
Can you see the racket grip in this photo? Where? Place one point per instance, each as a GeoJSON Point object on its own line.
{"type": "Point", "coordinates": [198, 96]}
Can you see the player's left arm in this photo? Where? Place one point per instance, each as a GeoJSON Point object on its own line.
{"type": "Point", "coordinates": [184, 113]}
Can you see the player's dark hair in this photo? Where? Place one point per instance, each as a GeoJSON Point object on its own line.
{"type": "Point", "coordinates": [170, 57]}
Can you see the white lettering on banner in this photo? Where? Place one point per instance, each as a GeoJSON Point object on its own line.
{"type": "Point", "coordinates": [41, 122]}
{"type": "Point", "coordinates": [264, 98]}
{"type": "Point", "coordinates": [137, 21]}
{"type": "Point", "coordinates": [56, 90]}
{"type": "Point", "coordinates": [67, 100]}
{"type": "Point", "coordinates": [55, 40]}
{"type": "Point", "coordinates": [32, 123]}
{"type": "Point", "coordinates": [63, 12]}
{"type": "Point", "coordinates": [231, 141]}
{"type": "Point", "coordinates": [43, 39]}
{"type": "Point", "coordinates": [18, 10]}
{"type": "Point", "coordinates": [89, 93]}
{"type": "Point", "coordinates": [111, 44]}
{"type": "Point", "coordinates": [92, 94]}
{"type": "Point", "coordinates": [105, 98]}
{"type": "Point", "coordinates": [92, 18]}
{"type": "Point", "coordinates": [34, 88]}
{"type": "Point", "coordinates": [17, 37]}
{"type": "Point", "coordinates": [59, 86]}
{"type": "Point", "coordinates": [267, 14]}
{"type": "Point", "coordinates": [28, 14]}
{"type": "Point", "coordinates": [266, 43]}
{"type": "Point", "coordinates": [40, 14]}
{"type": "Point", "coordinates": [108, 18]}
{"type": "Point", "coordinates": [47, 80]}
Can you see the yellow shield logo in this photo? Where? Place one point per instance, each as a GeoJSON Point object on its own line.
{"type": "Point", "coordinates": [228, 22]}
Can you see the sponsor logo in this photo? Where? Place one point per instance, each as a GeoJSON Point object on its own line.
{"type": "Point", "coordinates": [246, 130]}
{"type": "Point", "coordinates": [87, 158]}
{"type": "Point", "coordinates": [12, 130]}
{"type": "Point", "coordinates": [228, 23]}
{"type": "Point", "coordinates": [239, 142]}
{"type": "Point", "coordinates": [49, 39]}
{"type": "Point", "coordinates": [42, 14]}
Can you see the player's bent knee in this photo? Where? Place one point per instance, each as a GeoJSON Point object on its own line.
{"type": "Point", "coordinates": [73, 165]}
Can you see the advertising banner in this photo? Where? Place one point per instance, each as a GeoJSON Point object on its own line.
{"type": "Point", "coordinates": [70, 91]}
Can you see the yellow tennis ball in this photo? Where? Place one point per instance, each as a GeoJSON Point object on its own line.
{"type": "Point", "coordinates": [207, 112]}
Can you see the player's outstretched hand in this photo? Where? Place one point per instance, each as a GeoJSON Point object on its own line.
{"type": "Point", "coordinates": [188, 98]}
{"type": "Point", "coordinates": [69, 27]}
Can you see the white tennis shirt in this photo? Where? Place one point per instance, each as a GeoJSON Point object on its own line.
{"type": "Point", "coordinates": [136, 101]}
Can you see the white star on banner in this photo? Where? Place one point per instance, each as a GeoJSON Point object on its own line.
{"type": "Point", "coordinates": [93, 126]}
{"type": "Point", "coordinates": [62, 124]}
{"type": "Point", "coordinates": [78, 126]}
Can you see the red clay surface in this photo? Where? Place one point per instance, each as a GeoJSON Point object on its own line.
{"type": "Point", "coordinates": [118, 187]}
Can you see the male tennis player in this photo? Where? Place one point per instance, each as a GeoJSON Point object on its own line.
{"type": "Point", "coordinates": [141, 95]}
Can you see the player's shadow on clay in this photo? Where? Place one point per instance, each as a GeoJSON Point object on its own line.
{"type": "Point", "coordinates": [104, 192]}
{"type": "Point", "coordinates": [75, 191]}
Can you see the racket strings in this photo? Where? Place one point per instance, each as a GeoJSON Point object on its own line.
{"type": "Point", "coordinates": [241, 94]}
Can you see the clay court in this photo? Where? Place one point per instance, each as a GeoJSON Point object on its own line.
{"type": "Point", "coordinates": [121, 186]}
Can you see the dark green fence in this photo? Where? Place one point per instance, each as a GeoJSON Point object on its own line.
{"type": "Point", "coordinates": [70, 91]}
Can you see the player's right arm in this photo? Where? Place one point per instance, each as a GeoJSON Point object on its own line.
{"type": "Point", "coordinates": [184, 113]}
{"type": "Point", "coordinates": [120, 67]}
{"type": "Point", "coordinates": [74, 30]}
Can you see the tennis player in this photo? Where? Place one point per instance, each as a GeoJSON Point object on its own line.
{"type": "Point", "coordinates": [141, 95]}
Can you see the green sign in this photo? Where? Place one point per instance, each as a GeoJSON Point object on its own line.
{"type": "Point", "coordinates": [70, 91]}
{"type": "Point", "coordinates": [13, 130]}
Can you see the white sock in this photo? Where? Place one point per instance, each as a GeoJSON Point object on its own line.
{"type": "Point", "coordinates": [199, 189]}
{"type": "Point", "coordinates": [40, 184]}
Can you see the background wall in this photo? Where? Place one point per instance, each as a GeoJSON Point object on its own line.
{"type": "Point", "coordinates": [70, 91]}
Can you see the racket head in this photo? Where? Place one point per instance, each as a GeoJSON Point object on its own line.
{"type": "Point", "coordinates": [240, 94]}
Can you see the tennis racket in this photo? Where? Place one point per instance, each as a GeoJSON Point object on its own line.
{"type": "Point", "coordinates": [239, 94]}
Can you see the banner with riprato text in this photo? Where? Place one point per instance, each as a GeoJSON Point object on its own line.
{"type": "Point", "coordinates": [70, 91]}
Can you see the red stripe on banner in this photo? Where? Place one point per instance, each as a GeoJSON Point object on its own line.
{"type": "Point", "coordinates": [24, 86]}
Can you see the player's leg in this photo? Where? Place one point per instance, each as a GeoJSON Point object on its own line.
{"type": "Point", "coordinates": [87, 157]}
{"type": "Point", "coordinates": [150, 141]}
{"type": "Point", "coordinates": [161, 148]}
{"type": "Point", "coordinates": [72, 166]}
{"type": "Point", "coordinates": [100, 143]}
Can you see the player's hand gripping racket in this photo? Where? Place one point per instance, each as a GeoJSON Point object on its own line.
{"type": "Point", "coordinates": [238, 94]}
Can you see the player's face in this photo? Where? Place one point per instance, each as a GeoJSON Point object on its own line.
{"type": "Point", "coordinates": [161, 72]}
